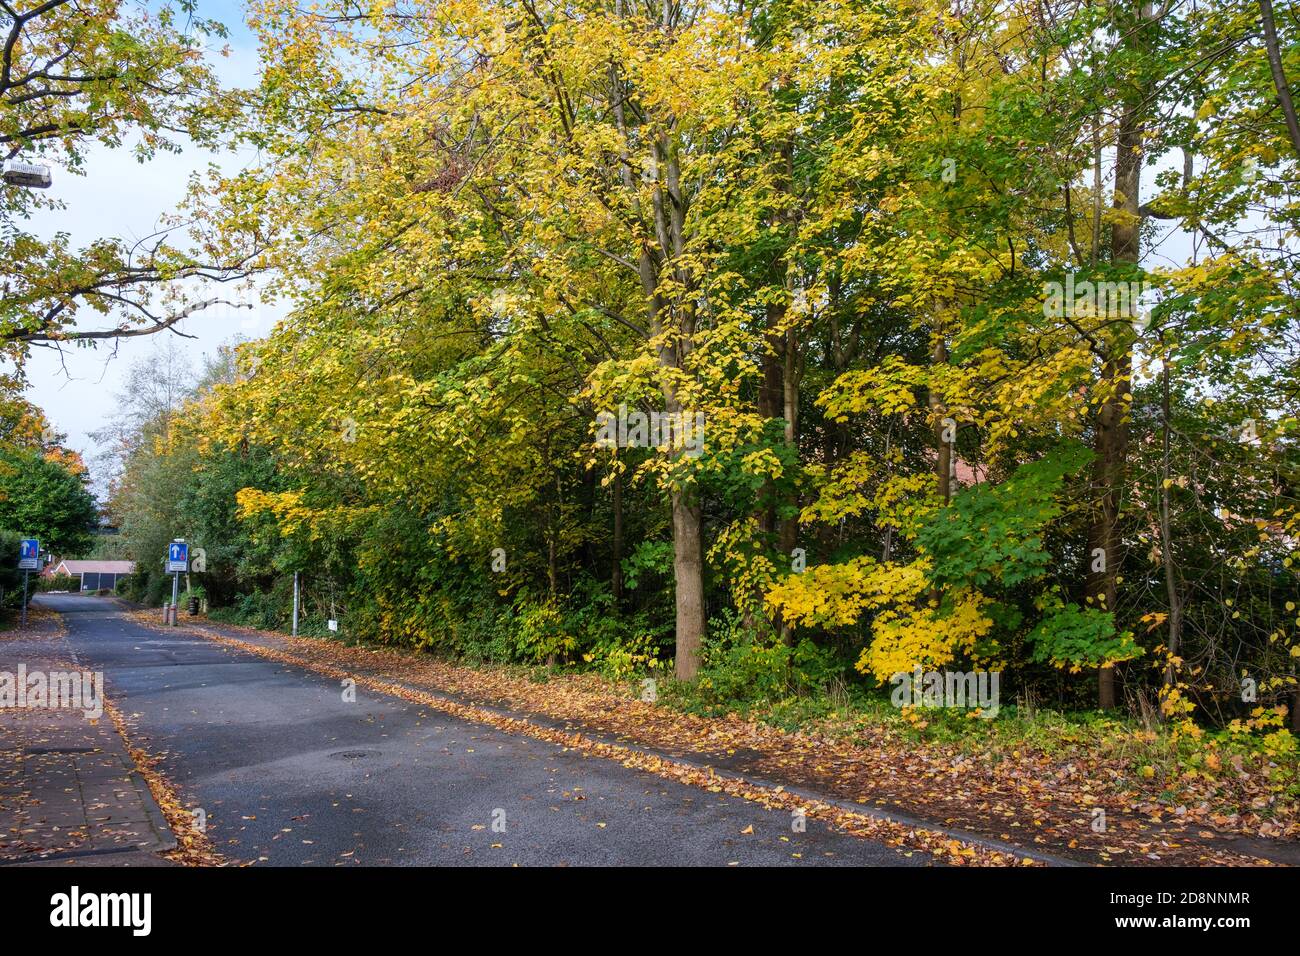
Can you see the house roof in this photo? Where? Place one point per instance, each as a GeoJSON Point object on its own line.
{"type": "Point", "coordinates": [94, 567]}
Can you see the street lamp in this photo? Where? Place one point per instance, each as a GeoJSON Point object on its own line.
{"type": "Point", "coordinates": [30, 175]}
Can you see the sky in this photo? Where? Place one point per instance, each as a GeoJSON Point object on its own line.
{"type": "Point", "coordinates": [119, 196]}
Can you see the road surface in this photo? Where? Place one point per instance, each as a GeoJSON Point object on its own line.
{"type": "Point", "coordinates": [288, 773]}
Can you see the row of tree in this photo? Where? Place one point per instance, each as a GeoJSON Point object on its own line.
{"type": "Point", "coordinates": [986, 308]}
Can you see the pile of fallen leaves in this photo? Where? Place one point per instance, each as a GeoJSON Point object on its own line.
{"type": "Point", "coordinates": [42, 624]}
{"type": "Point", "coordinates": [1026, 798]}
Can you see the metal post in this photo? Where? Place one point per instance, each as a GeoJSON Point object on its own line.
{"type": "Point", "coordinates": [295, 604]}
{"type": "Point", "coordinates": [176, 587]}
{"type": "Point", "coordinates": [25, 573]}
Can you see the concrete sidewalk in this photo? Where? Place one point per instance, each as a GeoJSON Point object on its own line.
{"type": "Point", "coordinates": [69, 790]}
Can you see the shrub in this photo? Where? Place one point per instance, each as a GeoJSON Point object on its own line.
{"type": "Point", "coordinates": [541, 633]}
{"type": "Point", "coordinates": [58, 582]}
{"type": "Point", "coordinates": [627, 657]}
{"type": "Point", "coordinates": [156, 589]}
{"type": "Point", "coordinates": [259, 609]}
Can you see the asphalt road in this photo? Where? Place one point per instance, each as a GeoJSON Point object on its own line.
{"type": "Point", "coordinates": [288, 773]}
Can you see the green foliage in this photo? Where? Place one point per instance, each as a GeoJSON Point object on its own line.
{"type": "Point", "coordinates": [1069, 635]}
{"type": "Point", "coordinates": [58, 582]}
{"type": "Point", "coordinates": [11, 579]}
{"type": "Point", "coordinates": [744, 668]}
{"type": "Point", "coordinates": [649, 559]}
{"type": "Point", "coordinates": [41, 498]}
{"type": "Point", "coordinates": [262, 610]}
{"type": "Point", "coordinates": [540, 633]}
{"type": "Point", "coordinates": [994, 534]}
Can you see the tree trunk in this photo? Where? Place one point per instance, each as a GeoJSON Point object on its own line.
{"type": "Point", "coordinates": [771, 388]}
{"type": "Point", "coordinates": [1111, 426]}
{"type": "Point", "coordinates": [1111, 449]}
{"type": "Point", "coordinates": [1283, 87]}
{"type": "Point", "coordinates": [688, 564]}
{"type": "Point", "coordinates": [771, 391]}
{"type": "Point", "coordinates": [944, 460]}
{"type": "Point", "coordinates": [663, 247]}
{"type": "Point", "coordinates": [1280, 82]}
{"type": "Point", "coordinates": [688, 575]}
{"type": "Point", "coordinates": [1166, 537]}
{"type": "Point", "coordinates": [789, 532]}
{"type": "Point", "coordinates": [790, 393]}
{"type": "Point", "coordinates": [616, 570]}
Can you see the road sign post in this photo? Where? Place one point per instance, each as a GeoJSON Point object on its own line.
{"type": "Point", "coordinates": [29, 559]}
{"type": "Point", "coordinates": [178, 560]}
{"type": "Point", "coordinates": [295, 604]}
